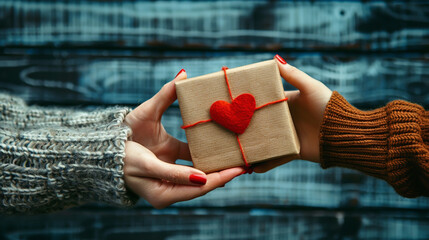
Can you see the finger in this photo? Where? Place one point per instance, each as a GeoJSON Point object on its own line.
{"type": "Point", "coordinates": [219, 179]}
{"type": "Point", "coordinates": [157, 105]}
{"type": "Point", "coordinates": [141, 162]}
{"type": "Point", "coordinates": [179, 174]}
{"type": "Point", "coordinates": [214, 180]}
{"type": "Point", "coordinates": [176, 150]}
{"type": "Point", "coordinates": [291, 94]}
{"type": "Point", "coordinates": [184, 152]}
{"type": "Point", "coordinates": [166, 96]}
{"type": "Point", "coordinates": [161, 194]}
{"type": "Point", "coordinates": [294, 76]}
{"type": "Point", "coordinates": [182, 148]}
{"type": "Point", "coordinates": [177, 193]}
{"type": "Point", "coordinates": [144, 187]}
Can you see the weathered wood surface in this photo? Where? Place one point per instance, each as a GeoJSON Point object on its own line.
{"type": "Point", "coordinates": [67, 76]}
{"type": "Point", "coordinates": [101, 53]}
{"type": "Point", "coordinates": [245, 224]}
{"type": "Point", "coordinates": [314, 25]}
{"type": "Point", "coordinates": [305, 184]}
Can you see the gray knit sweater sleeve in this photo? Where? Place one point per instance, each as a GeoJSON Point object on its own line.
{"type": "Point", "coordinates": [52, 159]}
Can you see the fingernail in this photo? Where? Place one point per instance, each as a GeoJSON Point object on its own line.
{"type": "Point", "coordinates": [281, 60]}
{"type": "Point", "coordinates": [198, 179]}
{"type": "Point", "coordinates": [182, 70]}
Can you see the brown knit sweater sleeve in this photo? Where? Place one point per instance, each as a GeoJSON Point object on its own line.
{"type": "Point", "coordinates": [391, 143]}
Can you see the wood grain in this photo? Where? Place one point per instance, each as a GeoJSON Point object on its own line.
{"type": "Point", "coordinates": [315, 25]}
{"type": "Point", "coordinates": [185, 224]}
{"type": "Point", "coordinates": [67, 76]}
{"type": "Point", "coordinates": [91, 53]}
{"type": "Point", "coordinates": [305, 184]}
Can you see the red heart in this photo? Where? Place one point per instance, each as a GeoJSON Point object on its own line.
{"type": "Point", "coordinates": [234, 116]}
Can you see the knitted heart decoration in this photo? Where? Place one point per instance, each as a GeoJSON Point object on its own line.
{"type": "Point", "coordinates": [234, 116]}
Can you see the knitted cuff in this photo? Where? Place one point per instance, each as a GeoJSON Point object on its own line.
{"type": "Point", "coordinates": [408, 149]}
{"type": "Point", "coordinates": [353, 138]}
{"type": "Point", "coordinates": [384, 142]}
{"type": "Point", "coordinates": [53, 159]}
{"type": "Point", "coordinates": [97, 173]}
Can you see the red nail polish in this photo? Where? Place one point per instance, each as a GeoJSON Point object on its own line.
{"type": "Point", "coordinates": [281, 60]}
{"type": "Point", "coordinates": [198, 179]}
{"type": "Point", "coordinates": [182, 70]}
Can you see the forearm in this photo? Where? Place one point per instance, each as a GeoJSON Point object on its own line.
{"type": "Point", "coordinates": [54, 159]}
{"type": "Point", "coordinates": [390, 143]}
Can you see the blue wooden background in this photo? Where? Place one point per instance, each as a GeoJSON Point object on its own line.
{"type": "Point", "coordinates": [99, 53]}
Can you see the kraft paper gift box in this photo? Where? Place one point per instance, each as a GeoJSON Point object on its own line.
{"type": "Point", "coordinates": [270, 135]}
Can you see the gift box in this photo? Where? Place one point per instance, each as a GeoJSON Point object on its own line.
{"type": "Point", "coordinates": [237, 117]}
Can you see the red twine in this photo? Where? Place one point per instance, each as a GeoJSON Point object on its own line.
{"type": "Point", "coordinates": [224, 68]}
{"type": "Point", "coordinates": [248, 168]}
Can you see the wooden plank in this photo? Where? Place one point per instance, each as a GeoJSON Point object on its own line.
{"type": "Point", "coordinates": [320, 25]}
{"type": "Point", "coordinates": [120, 77]}
{"type": "Point", "coordinates": [113, 52]}
{"type": "Point", "coordinates": [188, 224]}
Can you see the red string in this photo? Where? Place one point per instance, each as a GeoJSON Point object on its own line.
{"type": "Point", "coordinates": [247, 168]}
{"type": "Point", "coordinates": [227, 82]}
{"type": "Point", "coordinates": [193, 124]}
{"type": "Point", "coordinates": [266, 104]}
{"type": "Point", "coordinates": [242, 152]}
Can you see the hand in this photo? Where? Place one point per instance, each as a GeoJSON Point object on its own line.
{"type": "Point", "coordinates": [307, 106]}
{"type": "Point", "coordinates": [149, 165]}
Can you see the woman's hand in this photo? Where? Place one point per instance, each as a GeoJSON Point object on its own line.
{"type": "Point", "coordinates": [149, 164]}
{"type": "Point", "coordinates": [307, 106]}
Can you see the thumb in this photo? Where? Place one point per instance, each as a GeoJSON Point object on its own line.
{"type": "Point", "coordinates": [167, 95]}
{"type": "Point", "coordinates": [294, 76]}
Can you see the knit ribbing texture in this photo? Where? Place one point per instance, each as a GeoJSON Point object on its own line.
{"type": "Point", "coordinates": [390, 143]}
{"type": "Point", "coordinates": [52, 158]}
